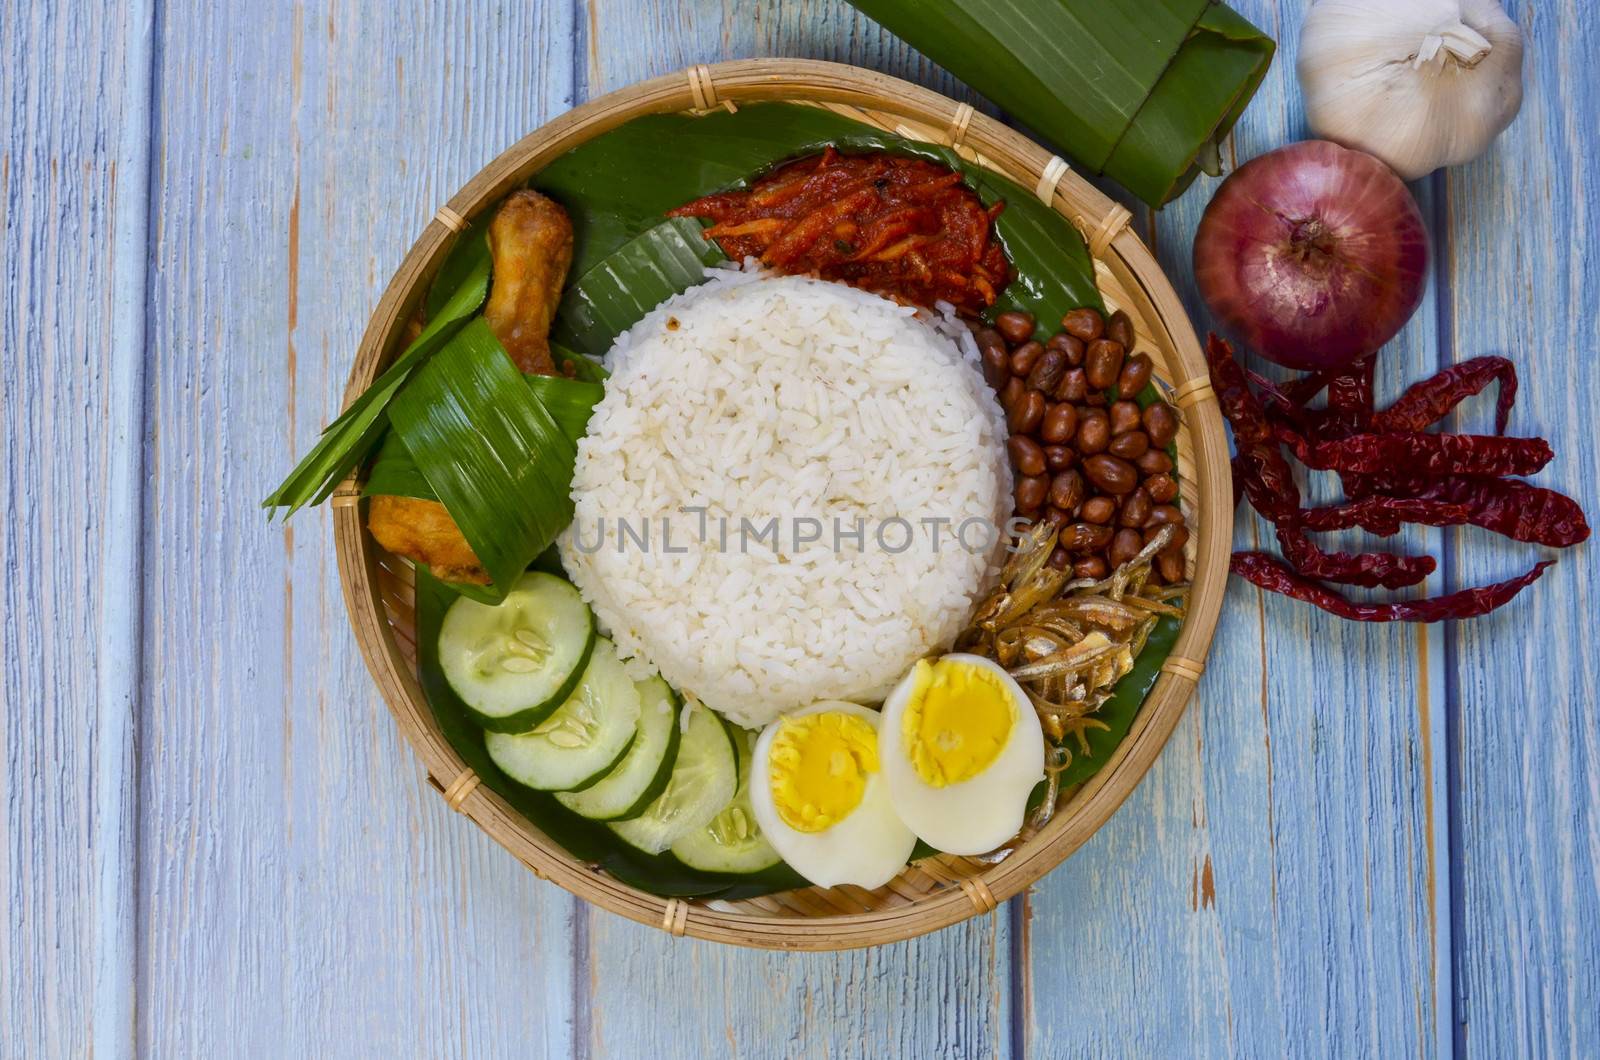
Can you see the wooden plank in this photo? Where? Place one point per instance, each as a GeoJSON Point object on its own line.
{"type": "Point", "coordinates": [650, 994]}
{"type": "Point", "coordinates": [68, 184]}
{"type": "Point", "coordinates": [1525, 735]}
{"type": "Point", "coordinates": [1269, 889]}
{"type": "Point", "coordinates": [943, 995]}
{"type": "Point", "coordinates": [121, 641]}
{"type": "Point", "coordinates": [301, 888]}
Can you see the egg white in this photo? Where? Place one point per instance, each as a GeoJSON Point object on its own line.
{"type": "Point", "coordinates": [976, 815]}
{"type": "Point", "coordinates": [867, 848]}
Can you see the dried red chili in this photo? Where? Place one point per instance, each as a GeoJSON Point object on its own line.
{"type": "Point", "coordinates": [903, 227]}
{"type": "Point", "coordinates": [1369, 569]}
{"type": "Point", "coordinates": [1385, 516]}
{"type": "Point", "coordinates": [1508, 506]}
{"type": "Point", "coordinates": [1264, 476]}
{"type": "Point", "coordinates": [1421, 454]}
{"type": "Point", "coordinates": [1350, 399]}
{"type": "Point", "coordinates": [1239, 404]}
{"type": "Point", "coordinates": [1426, 403]}
{"type": "Point", "coordinates": [1394, 474]}
{"type": "Point", "coordinates": [1267, 572]}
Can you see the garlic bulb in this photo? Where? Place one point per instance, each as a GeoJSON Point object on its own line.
{"type": "Point", "coordinates": [1418, 83]}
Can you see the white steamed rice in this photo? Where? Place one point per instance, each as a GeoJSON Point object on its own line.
{"type": "Point", "coordinates": [753, 397]}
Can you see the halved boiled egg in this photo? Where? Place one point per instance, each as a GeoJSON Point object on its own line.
{"type": "Point", "coordinates": [819, 796]}
{"type": "Point", "coordinates": [962, 749]}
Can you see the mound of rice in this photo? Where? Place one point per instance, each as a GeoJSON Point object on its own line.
{"type": "Point", "coordinates": [750, 398]}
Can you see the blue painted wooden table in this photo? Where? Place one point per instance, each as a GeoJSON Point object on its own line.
{"type": "Point", "coordinates": [1361, 840]}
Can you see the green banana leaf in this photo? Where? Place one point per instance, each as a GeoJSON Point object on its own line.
{"type": "Point", "coordinates": [1140, 91]}
{"type": "Point", "coordinates": [631, 281]}
{"type": "Point", "coordinates": [585, 840]}
{"type": "Point", "coordinates": [579, 366]}
{"type": "Point", "coordinates": [350, 439]}
{"type": "Point", "coordinates": [394, 474]}
{"type": "Point", "coordinates": [497, 450]}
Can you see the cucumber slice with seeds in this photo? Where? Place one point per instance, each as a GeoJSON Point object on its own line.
{"type": "Point", "coordinates": [642, 776]}
{"type": "Point", "coordinates": [513, 664]}
{"type": "Point", "coordinates": [733, 842]}
{"type": "Point", "coordinates": [584, 740]}
{"type": "Point", "coordinates": [704, 777]}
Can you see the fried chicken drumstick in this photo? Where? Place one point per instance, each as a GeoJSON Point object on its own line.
{"type": "Point", "coordinates": [530, 243]}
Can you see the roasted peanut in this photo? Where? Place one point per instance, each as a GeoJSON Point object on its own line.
{"type": "Point", "coordinates": [1135, 375]}
{"type": "Point", "coordinates": [1124, 546]}
{"type": "Point", "coordinates": [1162, 514]}
{"type": "Point", "coordinates": [1090, 567]}
{"type": "Point", "coordinates": [996, 366]}
{"type": "Point", "coordinates": [1026, 456]}
{"type": "Point", "coordinates": [1012, 393]}
{"type": "Point", "coordinates": [1103, 363]}
{"type": "Point", "coordinates": [1098, 510]}
{"type": "Point", "coordinates": [1066, 490]}
{"type": "Point", "coordinates": [1030, 492]}
{"type": "Point", "coordinates": [1024, 357]}
{"type": "Point", "coordinates": [1162, 487]}
{"type": "Point", "coordinates": [1047, 371]}
{"type": "Point", "coordinates": [1085, 324]}
{"type": "Point", "coordinates": [1094, 432]}
{"type": "Point", "coordinates": [1026, 413]}
{"type": "Point", "coordinates": [1070, 345]}
{"type": "Point", "coordinates": [1112, 474]}
{"type": "Point", "coordinates": [1085, 537]}
{"type": "Point", "coordinates": [1130, 446]}
{"type": "Point", "coordinates": [1171, 566]}
{"type": "Point", "coordinates": [1135, 509]}
{"type": "Point", "coordinates": [1015, 326]}
{"type": "Point", "coordinates": [1120, 329]}
{"type": "Point", "coordinates": [1161, 424]}
{"type": "Point", "coordinates": [1074, 385]}
{"type": "Point", "coordinates": [1125, 417]}
{"type": "Point", "coordinates": [1059, 457]}
{"type": "Point", "coordinates": [1155, 462]}
{"type": "Point", "coordinates": [1060, 423]}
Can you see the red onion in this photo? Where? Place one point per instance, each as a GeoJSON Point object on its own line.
{"type": "Point", "coordinates": [1313, 255]}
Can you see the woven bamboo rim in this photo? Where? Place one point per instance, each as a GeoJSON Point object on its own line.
{"type": "Point", "coordinates": [936, 892]}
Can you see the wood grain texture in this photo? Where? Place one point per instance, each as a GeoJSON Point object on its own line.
{"type": "Point", "coordinates": [1273, 877]}
{"type": "Point", "coordinates": [302, 890]}
{"type": "Point", "coordinates": [60, 191]}
{"type": "Point", "coordinates": [1521, 243]}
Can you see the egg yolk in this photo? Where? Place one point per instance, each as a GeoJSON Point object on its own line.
{"type": "Point", "coordinates": [957, 721]}
{"type": "Point", "coordinates": [818, 768]}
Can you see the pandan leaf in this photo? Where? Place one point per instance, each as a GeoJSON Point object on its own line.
{"type": "Point", "coordinates": [350, 439]}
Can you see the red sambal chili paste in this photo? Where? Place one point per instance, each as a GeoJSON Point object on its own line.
{"type": "Point", "coordinates": [905, 228]}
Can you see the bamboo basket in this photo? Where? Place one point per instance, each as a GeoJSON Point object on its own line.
{"type": "Point", "coordinates": [936, 892]}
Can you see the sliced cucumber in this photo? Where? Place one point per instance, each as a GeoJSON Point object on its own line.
{"type": "Point", "coordinates": [627, 790]}
{"type": "Point", "coordinates": [704, 777]}
{"type": "Point", "coordinates": [514, 663]}
{"type": "Point", "coordinates": [585, 739]}
{"type": "Point", "coordinates": [733, 842]}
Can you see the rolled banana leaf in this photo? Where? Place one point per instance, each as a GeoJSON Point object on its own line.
{"type": "Point", "coordinates": [1141, 91]}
